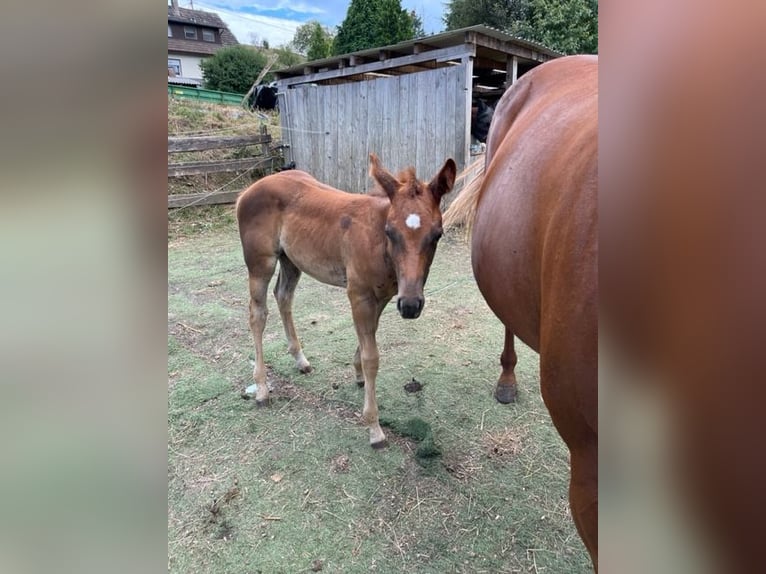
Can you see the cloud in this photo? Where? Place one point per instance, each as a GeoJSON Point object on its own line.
{"type": "Point", "coordinates": [277, 31]}
{"type": "Point", "coordinates": [277, 20]}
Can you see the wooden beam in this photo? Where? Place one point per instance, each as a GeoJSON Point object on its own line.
{"type": "Point", "coordinates": [187, 199]}
{"type": "Point", "coordinates": [440, 55]}
{"type": "Point", "coordinates": [511, 48]}
{"type": "Point", "coordinates": [180, 144]}
{"type": "Point", "coordinates": [203, 167]}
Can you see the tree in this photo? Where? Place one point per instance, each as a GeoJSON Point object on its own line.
{"type": "Point", "coordinates": [503, 15]}
{"type": "Point", "coordinates": [417, 25]}
{"type": "Point", "coordinates": [568, 26]}
{"type": "Point", "coordinates": [286, 58]}
{"type": "Point", "coordinates": [233, 69]}
{"type": "Point", "coordinates": [313, 40]}
{"type": "Point", "coordinates": [374, 23]}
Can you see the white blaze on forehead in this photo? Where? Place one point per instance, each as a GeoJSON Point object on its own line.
{"type": "Point", "coordinates": [412, 221]}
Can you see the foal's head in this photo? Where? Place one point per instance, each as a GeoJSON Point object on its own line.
{"type": "Point", "coordinates": [413, 228]}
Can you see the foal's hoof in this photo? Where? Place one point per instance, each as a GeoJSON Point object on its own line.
{"type": "Point", "coordinates": [360, 384]}
{"type": "Point", "coordinates": [506, 394]}
{"type": "Point", "coordinates": [263, 403]}
{"type": "Point", "coordinates": [306, 370]}
{"type": "Point", "coordinates": [379, 445]}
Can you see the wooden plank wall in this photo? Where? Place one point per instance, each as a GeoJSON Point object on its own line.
{"type": "Point", "coordinates": [409, 120]}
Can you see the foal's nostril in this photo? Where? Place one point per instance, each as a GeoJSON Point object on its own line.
{"type": "Point", "coordinates": [410, 308]}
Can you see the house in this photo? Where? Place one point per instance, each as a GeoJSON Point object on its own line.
{"type": "Point", "coordinates": [411, 103]}
{"type": "Point", "coordinates": [193, 35]}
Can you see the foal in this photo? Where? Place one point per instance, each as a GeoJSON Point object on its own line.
{"type": "Point", "coordinates": [376, 246]}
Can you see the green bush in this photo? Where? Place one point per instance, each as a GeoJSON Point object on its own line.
{"type": "Point", "coordinates": [233, 69]}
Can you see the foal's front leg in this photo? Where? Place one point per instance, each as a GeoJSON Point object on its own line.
{"type": "Point", "coordinates": [365, 310]}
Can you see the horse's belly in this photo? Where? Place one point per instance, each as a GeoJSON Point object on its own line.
{"type": "Point", "coordinates": [506, 267]}
{"type": "Point", "coordinates": [315, 257]}
{"type": "Point", "coordinates": [327, 271]}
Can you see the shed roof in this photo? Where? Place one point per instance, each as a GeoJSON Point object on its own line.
{"type": "Point", "coordinates": [490, 44]}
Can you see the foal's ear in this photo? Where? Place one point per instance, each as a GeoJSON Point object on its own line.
{"type": "Point", "coordinates": [387, 182]}
{"type": "Point", "coordinates": [444, 180]}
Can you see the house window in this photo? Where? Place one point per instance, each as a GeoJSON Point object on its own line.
{"type": "Point", "coordinates": [170, 32]}
{"type": "Point", "coordinates": [190, 33]}
{"type": "Point", "coordinates": [208, 35]}
{"type": "Point", "coordinates": [175, 65]}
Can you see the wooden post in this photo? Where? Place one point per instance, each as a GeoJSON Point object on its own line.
{"type": "Point", "coordinates": [511, 70]}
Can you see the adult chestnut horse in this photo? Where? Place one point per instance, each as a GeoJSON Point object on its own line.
{"type": "Point", "coordinates": [376, 246]}
{"type": "Point", "coordinates": [533, 215]}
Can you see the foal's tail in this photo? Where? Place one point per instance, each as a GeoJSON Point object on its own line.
{"type": "Point", "coordinates": [462, 211]}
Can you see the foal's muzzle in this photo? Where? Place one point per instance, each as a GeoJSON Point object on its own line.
{"type": "Point", "coordinates": [410, 307]}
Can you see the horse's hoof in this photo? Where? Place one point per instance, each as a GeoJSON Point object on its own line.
{"type": "Point", "coordinates": [379, 445]}
{"type": "Point", "coordinates": [506, 394]}
{"type": "Point", "coordinates": [306, 370]}
{"type": "Point", "coordinates": [360, 384]}
{"type": "Point", "coordinates": [263, 403]}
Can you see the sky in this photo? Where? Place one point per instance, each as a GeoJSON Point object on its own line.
{"type": "Point", "coordinates": [276, 20]}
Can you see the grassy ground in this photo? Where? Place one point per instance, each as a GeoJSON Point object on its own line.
{"type": "Point", "coordinates": [295, 487]}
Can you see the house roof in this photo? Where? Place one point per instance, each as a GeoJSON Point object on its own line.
{"type": "Point", "coordinates": [181, 81]}
{"type": "Point", "coordinates": [489, 39]}
{"type": "Point", "coordinates": [200, 18]}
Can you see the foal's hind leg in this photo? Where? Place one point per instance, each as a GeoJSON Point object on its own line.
{"type": "Point", "coordinates": [260, 273]}
{"type": "Point", "coordinates": [505, 391]}
{"type": "Point", "coordinates": [284, 291]}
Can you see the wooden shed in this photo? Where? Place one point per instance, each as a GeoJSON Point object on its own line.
{"type": "Point", "coordinates": [410, 103]}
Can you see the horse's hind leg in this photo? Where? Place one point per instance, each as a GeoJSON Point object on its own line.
{"type": "Point", "coordinates": [505, 391]}
{"type": "Point", "coordinates": [583, 494]}
{"type": "Point", "coordinates": [284, 291]}
{"type": "Point", "coordinates": [260, 272]}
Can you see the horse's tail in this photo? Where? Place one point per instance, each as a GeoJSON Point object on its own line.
{"type": "Point", "coordinates": [462, 211]}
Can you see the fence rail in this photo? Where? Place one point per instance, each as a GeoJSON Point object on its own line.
{"type": "Point", "coordinates": [203, 167]}
{"type": "Point", "coordinates": [264, 160]}
{"type": "Point", "coordinates": [201, 143]}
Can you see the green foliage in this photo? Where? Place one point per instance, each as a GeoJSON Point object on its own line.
{"type": "Point", "coordinates": [418, 429]}
{"type": "Point", "coordinates": [417, 25]}
{"type": "Point", "coordinates": [286, 58]}
{"type": "Point", "coordinates": [495, 13]}
{"type": "Point", "coordinates": [233, 69]}
{"type": "Point", "coordinates": [374, 23]}
{"type": "Point", "coordinates": [568, 26]}
{"type": "Point", "coordinates": [314, 40]}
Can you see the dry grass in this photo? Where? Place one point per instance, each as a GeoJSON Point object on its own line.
{"type": "Point", "coordinates": [494, 501]}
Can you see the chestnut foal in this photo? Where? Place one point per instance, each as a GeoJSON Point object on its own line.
{"type": "Point", "coordinates": [376, 246]}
